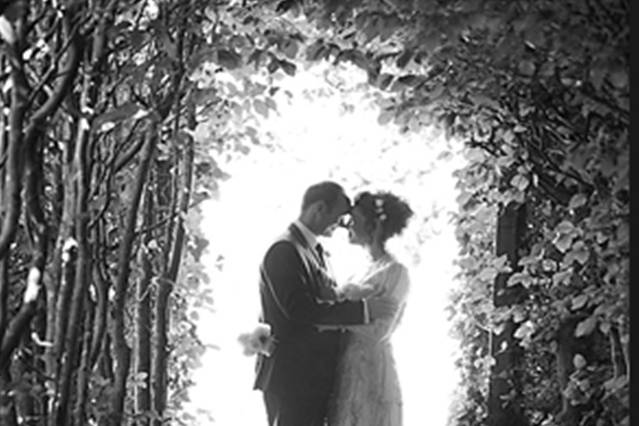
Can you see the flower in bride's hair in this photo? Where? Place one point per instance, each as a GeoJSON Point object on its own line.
{"type": "Point", "coordinates": [258, 341]}
{"type": "Point", "coordinates": [379, 209]}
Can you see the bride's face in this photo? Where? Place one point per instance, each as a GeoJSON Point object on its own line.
{"type": "Point", "coordinates": [358, 232]}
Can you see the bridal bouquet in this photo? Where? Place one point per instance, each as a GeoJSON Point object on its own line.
{"type": "Point", "coordinates": [259, 341]}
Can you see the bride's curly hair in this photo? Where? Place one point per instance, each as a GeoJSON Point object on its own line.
{"type": "Point", "coordinates": [385, 208]}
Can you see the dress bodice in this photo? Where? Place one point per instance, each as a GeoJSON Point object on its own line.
{"type": "Point", "coordinates": [385, 277]}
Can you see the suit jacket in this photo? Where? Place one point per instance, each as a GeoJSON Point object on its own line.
{"type": "Point", "coordinates": [304, 359]}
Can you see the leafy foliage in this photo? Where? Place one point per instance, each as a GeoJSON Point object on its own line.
{"type": "Point", "coordinates": [113, 113]}
{"type": "Point", "coordinates": [540, 92]}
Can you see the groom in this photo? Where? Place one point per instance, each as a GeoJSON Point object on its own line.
{"type": "Point", "coordinates": [297, 294]}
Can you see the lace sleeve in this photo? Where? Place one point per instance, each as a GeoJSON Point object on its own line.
{"type": "Point", "coordinates": [398, 282]}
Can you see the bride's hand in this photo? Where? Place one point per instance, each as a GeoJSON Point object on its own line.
{"type": "Point", "coordinates": [348, 292]}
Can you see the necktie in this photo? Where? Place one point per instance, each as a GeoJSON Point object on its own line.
{"type": "Point", "coordinates": [326, 280]}
{"type": "Point", "coordinates": [320, 252]}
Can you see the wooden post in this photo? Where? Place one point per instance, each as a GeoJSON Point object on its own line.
{"type": "Point", "coordinates": [504, 388]}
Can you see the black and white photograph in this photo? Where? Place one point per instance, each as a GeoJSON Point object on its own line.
{"type": "Point", "coordinates": [314, 213]}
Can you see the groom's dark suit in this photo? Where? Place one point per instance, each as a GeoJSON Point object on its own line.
{"type": "Point", "coordinates": [298, 377]}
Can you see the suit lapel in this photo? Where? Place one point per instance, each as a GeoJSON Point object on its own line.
{"type": "Point", "coordinates": [301, 240]}
{"type": "Point", "coordinates": [322, 282]}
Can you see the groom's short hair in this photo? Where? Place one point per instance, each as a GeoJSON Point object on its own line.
{"type": "Point", "coordinates": [326, 191]}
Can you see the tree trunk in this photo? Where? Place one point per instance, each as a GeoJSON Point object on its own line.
{"type": "Point", "coordinates": [84, 370]}
{"type": "Point", "coordinates": [101, 284]}
{"type": "Point", "coordinates": [7, 406]}
{"type": "Point", "coordinates": [142, 363]}
{"type": "Point", "coordinates": [504, 388]}
{"type": "Point", "coordinates": [121, 349]}
{"type": "Point", "coordinates": [162, 318]}
{"type": "Point", "coordinates": [73, 336]}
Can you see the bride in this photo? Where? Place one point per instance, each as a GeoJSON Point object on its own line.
{"type": "Point", "coordinates": [367, 391]}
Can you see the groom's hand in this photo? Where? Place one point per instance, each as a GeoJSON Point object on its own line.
{"type": "Point", "coordinates": [381, 307]}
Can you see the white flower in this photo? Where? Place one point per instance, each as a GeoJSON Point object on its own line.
{"type": "Point", "coordinates": [259, 341]}
{"type": "Point", "coordinates": [379, 209]}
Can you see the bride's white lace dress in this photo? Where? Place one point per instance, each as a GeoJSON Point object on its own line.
{"type": "Point", "coordinates": [367, 389]}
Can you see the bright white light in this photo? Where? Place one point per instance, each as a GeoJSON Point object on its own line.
{"type": "Point", "coordinates": [320, 140]}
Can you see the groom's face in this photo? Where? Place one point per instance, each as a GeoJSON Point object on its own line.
{"type": "Point", "coordinates": [333, 215]}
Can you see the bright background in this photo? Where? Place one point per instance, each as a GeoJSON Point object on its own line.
{"type": "Point", "coordinates": [322, 133]}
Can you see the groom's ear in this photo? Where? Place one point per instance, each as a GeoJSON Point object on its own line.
{"type": "Point", "coordinates": [318, 207]}
{"type": "Point", "coordinates": [322, 207]}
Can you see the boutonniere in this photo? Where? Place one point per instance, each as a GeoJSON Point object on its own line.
{"type": "Point", "coordinates": [258, 341]}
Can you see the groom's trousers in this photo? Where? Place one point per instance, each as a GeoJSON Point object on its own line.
{"type": "Point", "coordinates": [295, 410]}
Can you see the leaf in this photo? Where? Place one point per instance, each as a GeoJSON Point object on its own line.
{"type": "Point", "coordinates": [501, 263]}
{"type": "Point", "coordinates": [271, 104]}
{"type": "Point", "coordinates": [547, 69]}
{"type": "Point", "coordinates": [604, 327]}
{"type": "Point", "coordinates": [483, 100]}
{"type": "Point", "coordinates": [579, 253]}
{"type": "Point", "coordinates": [619, 78]}
{"type": "Point", "coordinates": [285, 5]}
{"type": "Point", "coordinates": [579, 361]}
{"type": "Point", "coordinates": [273, 65]}
{"type": "Point", "coordinates": [289, 47]}
{"type": "Point", "coordinates": [549, 265]}
{"type": "Point", "coordinates": [562, 277]}
{"type": "Point", "coordinates": [261, 107]}
{"type": "Point", "coordinates": [358, 59]}
{"type": "Point", "coordinates": [563, 242]}
{"type": "Point", "coordinates": [520, 182]}
{"type": "Point", "coordinates": [445, 155]}
{"type": "Point", "coordinates": [488, 273]}
{"type": "Point", "coordinates": [168, 46]}
{"type": "Point", "coordinates": [577, 200]}
{"type": "Point", "coordinates": [408, 80]}
{"type": "Point", "coordinates": [519, 315]}
{"type": "Point", "coordinates": [315, 50]}
{"type": "Point", "coordinates": [508, 136]}
{"type": "Point", "coordinates": [288, 67]}
{"type": "Point", "coordinates": [474, 155]}
{"type": "Point", "coordinates": [385, 116]}
{"type": "Point", "coordinates": [6, 30]}
{"type": "Point", "coordinates": [585, 327]}
{"type": "Point", "coordinates": [579, 301]}
{"type": "Point", "coordinates": [383, 80]}
{"type": "Point", "coordinates": [616, 383]}
{"type": "Point", "coordinates": [526, 67]}
{"type": "Point", "coordinates": [436, 92]}
{"type": "Point", "coordinates": [228, 59]}
{"type": "Point", "coordinates": [528, 260]}
{"type": "Point", "coordinates": [404, 57]}
{"type": "Point", "coordinates": [520, 278]}
{"type": "Point", "coordinates": [597, 76]}
{"type": "Point", "coordinates": [525, 330]}
{"type": "Point", "coordinates": [565, 227]}
{"type": "Point", "coordinates": [255, 57]}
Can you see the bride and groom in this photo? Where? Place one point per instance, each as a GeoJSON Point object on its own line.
{"type": "Point", "coordinates": [332, 362]}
